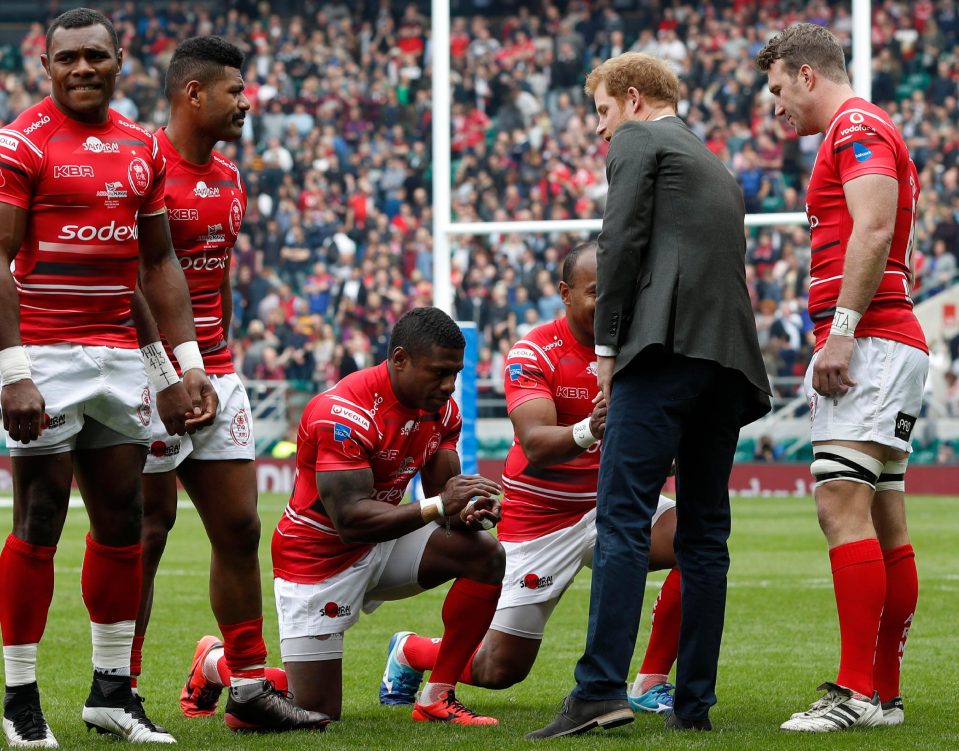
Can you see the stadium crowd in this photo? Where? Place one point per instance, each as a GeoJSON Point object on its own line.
{"type": "Point", "coordinates": [336, 155]}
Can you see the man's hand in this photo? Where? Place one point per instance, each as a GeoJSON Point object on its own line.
{"type": "Point", "coordinates": [830, 374]}
{"type": "Point", "coordinates": [23, 410]}
{"type": "Point", "coordinates": [461, 489]}
{"type": "Point", "coordinates": [481, 513]}
{"type": "Point", "coordinates": [604, 376]}
{"type": "Point", "coordinates": [174, 407]}
{"type": "Point", "coordinates": [597, 418]}
{"type": "Point", "coordinates": [203, 399]}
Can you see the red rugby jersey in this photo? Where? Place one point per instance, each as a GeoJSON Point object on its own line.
{"type": "Point", "coordinates": [84, 187]}
{"type": "Point", "coordinates": [549, 364]}
{"type": "Point", "coordinates": [357, 424]}
{"type": "Point", "coordinates": [862, 140]}
{"type": "Point", "coordinates": [206, 204]}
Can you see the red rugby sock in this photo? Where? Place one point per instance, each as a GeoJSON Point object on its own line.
{"type": "Point", "coordinates": [664, 634]}
{"type": "Point", "coordinates": [26, 590]}
{"type": "Point", "coordinates": [244, 648]}
{"type": "Point", "coordinates": [467, 613]}
{"type": "Point", "coordinates": [902, 593]}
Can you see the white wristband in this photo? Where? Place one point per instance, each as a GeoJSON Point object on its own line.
{"type": "Point", "coordinates": [844, 322]}
{"type": "Point", "coordinates": [582, 435]}
{"type": "Point", "coordinates": [14, 364]}
{"type": "Point", "coordinates": [188, 356]}
{"type": "Point", "coordinates": [432, 508]}
{"type": "Point", "coordinates": [160, 370]}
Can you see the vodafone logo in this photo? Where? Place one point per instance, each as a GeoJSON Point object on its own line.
{"type": "Point", "coordinates": [112, 232]}
{"type": "Point", "coordinates": [856, 117]}
{"type": "Point", "coordinates": [44, 119]}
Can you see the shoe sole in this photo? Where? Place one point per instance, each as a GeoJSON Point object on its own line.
{"type": "Point", "coordinates": [605, 722]}
{"type": "Point", "coordinates": [241, 726]}
{"type": "Point", "coordinates": [187, 706]}
{"type": "Point", "coordinates": [118, 732]}
{"type": "Point", "coordinates": [661, 709]}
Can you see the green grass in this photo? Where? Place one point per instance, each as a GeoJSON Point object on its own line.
{"type": "Point", "coordinates": [781, 641]}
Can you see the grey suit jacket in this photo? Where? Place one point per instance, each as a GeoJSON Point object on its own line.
{"type": "Point", "coordinates": [671, 262]}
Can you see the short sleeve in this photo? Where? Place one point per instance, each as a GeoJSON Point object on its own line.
{"type": "Point", "coordinates": [343, 437]}
{"type": "Point", "coordinates": [452, 427]}
{"type": "Point", "coordinates": [864, 144]}
{"type": "Point", "coordinates": [20, 163]}
{"type": "Point", "coordinates": [526, 375]}
{"type": "Point", "coordinates": [153, 202]}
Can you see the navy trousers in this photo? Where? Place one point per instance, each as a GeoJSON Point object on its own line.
{"type": "Point", "coordinates": [663, 406]}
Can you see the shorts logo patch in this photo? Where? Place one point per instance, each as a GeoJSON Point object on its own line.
{"type": "Point", "coordinates": [534, 581]}
{"type": "Point", "coordinates": [53, 421]}
{"type": "Point", "coordinates": [904, 425]}
{"type": "Point", "coordinates": [240, 428]}
{"type": "Point", "coordinates": [145, 408]}
{"type": "Point", "coordinates": [159, 449]}
{"type": "Point", "coordinates": [332, 610]}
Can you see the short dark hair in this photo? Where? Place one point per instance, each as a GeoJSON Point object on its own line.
{"type": "Point", "coordinates": [201, 59]}
{"type": "Point", "coordinates": [572, 258]}
{"type": "Point", "coordinates": [80, 18]}
{"type": "Point", "coordinates": [421, 329]}
{"type": "Point", "coordinates": [805, 44]}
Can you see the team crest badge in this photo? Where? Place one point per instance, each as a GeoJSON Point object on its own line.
{"type": "Point", "coordinates": [145, 408]}
{"type": "Point", "coordinates": [240, 428]}
{"type": "Point", "coordinates": [236, 216]}
{"type": "Point", "coordinates": [139, 175]}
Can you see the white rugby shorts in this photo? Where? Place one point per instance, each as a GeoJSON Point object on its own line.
{"type": "Point", "coordinates": [88, 387]}
{"type": "Point", "coordinates": [387, 572]}
{"type": "Point", "coordinates": [229, 437]}
{"type": "Point", "coordinates": [884, 404]}
{"type": "Point", "coordinates": [539, 571]}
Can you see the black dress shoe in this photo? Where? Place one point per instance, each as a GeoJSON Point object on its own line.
{"type": "Point", "coordinates": [580, 715]}
{"type": "Point", "coordinates": [673, 722]}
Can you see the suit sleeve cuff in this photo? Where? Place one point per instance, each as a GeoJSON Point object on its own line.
{"type": "Point", "coordinates": [605, 350]}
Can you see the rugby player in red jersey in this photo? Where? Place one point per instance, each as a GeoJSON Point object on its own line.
{"type": "Point", "coordinates": [81, 215]}
{"type": "Point", "coordinates": [866, 378]}
{"type": "Point", "coordinates": [206, 200]}
{"type": "Point", "coordinates": [549, 510]}
{"type": "Point", "coordinates": [344, 544]}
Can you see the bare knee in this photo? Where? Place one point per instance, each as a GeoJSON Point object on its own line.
{"type": "Point", "coordinates": [237, 536]}
{"type": "Point", "coordinates": [487, 561]}
{"type": "Point", "coordinates": [40, 519]}
{"type": "Point", "coordinates": [498, 674]}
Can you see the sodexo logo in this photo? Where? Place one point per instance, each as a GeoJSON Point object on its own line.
{"type": "Point", "coordinates": [111, 232]}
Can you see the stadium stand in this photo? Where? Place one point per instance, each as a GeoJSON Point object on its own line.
{"type": "Point", "coordinates": [336, 243]}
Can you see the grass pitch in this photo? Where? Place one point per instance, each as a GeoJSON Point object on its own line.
{"type": "Point", "coordinates": [781, 641]}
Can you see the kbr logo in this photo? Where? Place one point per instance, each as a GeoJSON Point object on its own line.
{"type": "Point", "coordinates": [112, 231]}
{"type": "Point", "coordinates": [44, 119]}
{"type": "Point", "coordinates": [184, 215]}
{"type": "Point", "coordinates": [72, 170]}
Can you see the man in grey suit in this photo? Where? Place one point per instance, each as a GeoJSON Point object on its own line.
{"type": "Point", "coordinates": [680, 367]}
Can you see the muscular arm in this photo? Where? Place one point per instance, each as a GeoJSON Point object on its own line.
{"type": "Point", "coordinates": [147, 330]}
{"type": "Point", "coordinates": [13, 226]}
{"type": "Point", "coordinates": [444, 465]}
{"type": "Point", "coordinates": [544, 442]}
{"type": "Point", "coordinates": [872, 201]}
{"type": "Point", "coordinates": [162, 281]}
{"type": "Point", "coordinates": [347, 497]}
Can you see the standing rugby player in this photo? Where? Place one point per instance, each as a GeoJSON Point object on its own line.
{"type": "Point", "coordinates": [206, 201]}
